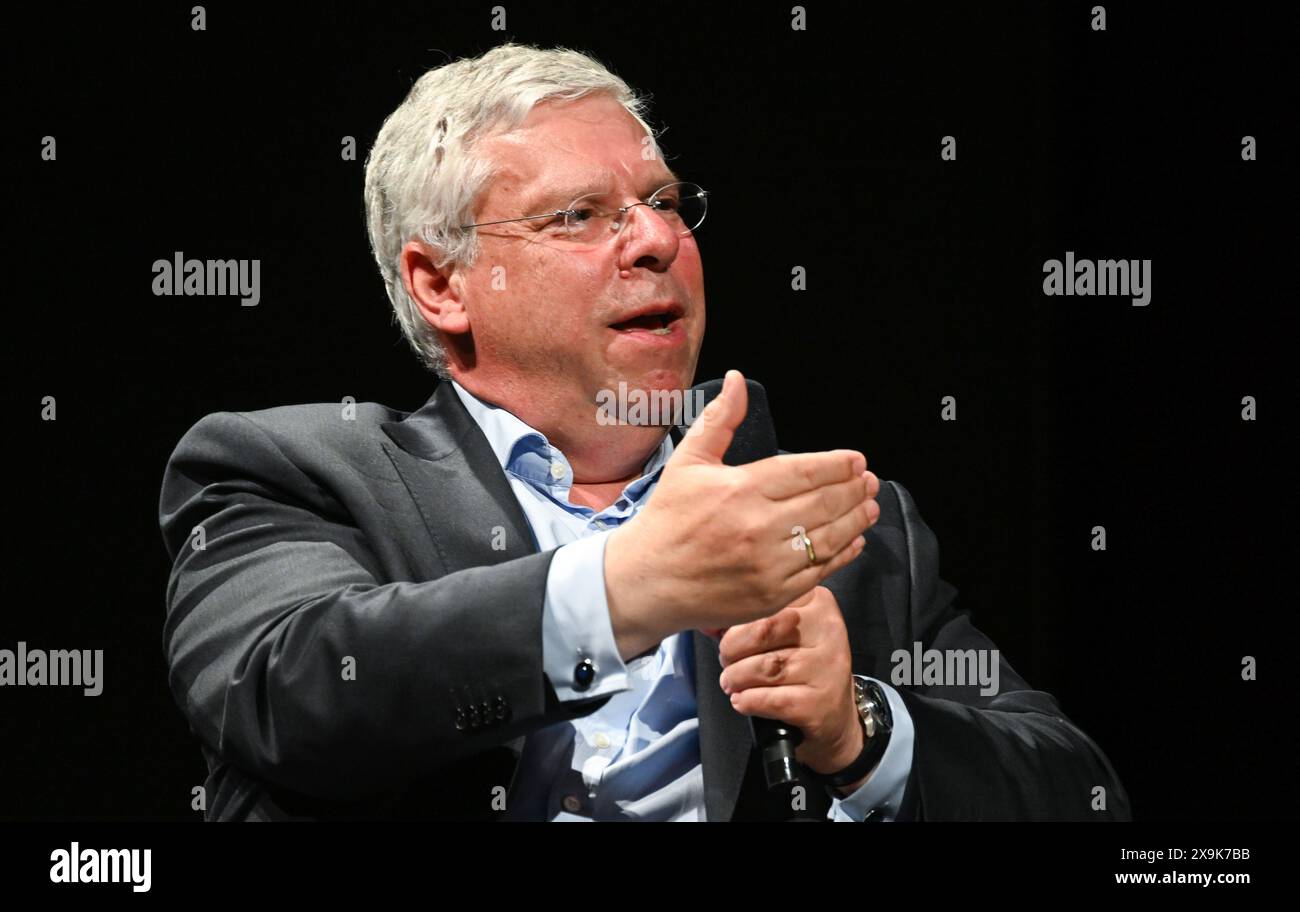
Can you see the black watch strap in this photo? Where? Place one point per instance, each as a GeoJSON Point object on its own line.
{"type": "Point", "coordinates": [873, 749]}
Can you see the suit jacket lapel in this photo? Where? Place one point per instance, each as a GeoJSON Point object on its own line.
{"type": "Point", "coordinates": [457, 485]}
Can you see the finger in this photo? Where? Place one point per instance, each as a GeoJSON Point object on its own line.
{"type": "Point", "coordinates": [772, 632]}
{"type": "Point", "coordinates": [816, 508]}
{"type": "Point", "coordinates": [804, 599]}
{"type": "Point", "coordinates": [767, 669]}
{"type": "Point", "coordinates": [836, 535]}
{"type": "Point", "coordinates": [813, 574]}
{"type": "Point", "coordinates": [788, 474]}
{"type": "Point", "coordinates": [829, 539]}
{"type": "Point", "coordinates": [790, 703]}
{"type": "Point", "coordinates": [714, 428]}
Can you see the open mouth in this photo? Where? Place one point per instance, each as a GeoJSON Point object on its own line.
{"type": "Point", "coordinates": [657, 324]}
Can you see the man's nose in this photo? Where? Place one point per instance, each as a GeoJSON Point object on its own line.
{"type": "Point", "coordinates": [646, 240]}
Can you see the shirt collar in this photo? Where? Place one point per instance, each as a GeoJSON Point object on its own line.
{"type": "Point", "coordinates": [510, 437]}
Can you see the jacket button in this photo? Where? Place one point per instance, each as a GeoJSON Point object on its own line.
{"type": "Point", "coordinates": [473, 716]}
{"type": "Point", "coordinates": [583, 675]}
{"type": "Point", "coordinates": [460, 719]}
{"type": "Point", "coordinates": [503, 709]}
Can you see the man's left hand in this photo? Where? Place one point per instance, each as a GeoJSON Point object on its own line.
{"type": "Point", "coordinates": [795, 666]}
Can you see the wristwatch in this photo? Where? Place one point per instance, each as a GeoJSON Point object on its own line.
{"type": "Point", "coordinates": [877, 724]}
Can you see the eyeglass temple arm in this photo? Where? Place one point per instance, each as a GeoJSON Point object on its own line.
{"type": "Point", "coordinates": [523, 218]}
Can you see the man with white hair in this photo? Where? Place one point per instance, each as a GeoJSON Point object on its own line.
{"type": "Point", "coordinates": [504, 605]}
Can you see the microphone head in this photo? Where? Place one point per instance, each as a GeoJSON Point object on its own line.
{"type": "Point", "coordinates": [755, 439]}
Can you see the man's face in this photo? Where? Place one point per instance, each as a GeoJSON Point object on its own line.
{"type": "Point", "coordinates": [543, 311]}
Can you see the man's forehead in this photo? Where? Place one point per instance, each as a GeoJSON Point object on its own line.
{"type": "Point", "coordinates": [559, 182]}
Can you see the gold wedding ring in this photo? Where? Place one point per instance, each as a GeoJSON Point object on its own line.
{"type": "Point", "coordinates": [808, 548]}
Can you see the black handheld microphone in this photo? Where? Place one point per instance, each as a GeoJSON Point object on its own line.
{"type": "Point", "coordinates": [755, 439]}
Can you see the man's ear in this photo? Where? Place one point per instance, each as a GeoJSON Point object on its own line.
{"type": "Point", "coordinates": [436, 292]}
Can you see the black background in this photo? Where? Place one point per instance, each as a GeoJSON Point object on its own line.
{"type": "Point", "coordinates": [821, 149]}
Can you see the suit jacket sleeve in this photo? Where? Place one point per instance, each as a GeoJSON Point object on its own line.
{"type": "Point", "coordinates": [293, 662]}
{"type": "Point", "coordinates": [1009, 755]}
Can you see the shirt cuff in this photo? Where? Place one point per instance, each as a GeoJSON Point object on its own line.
{"type": "Point", "coordinates": [883, 791]}
{"type": "Point", "coordinates": [575, 621]}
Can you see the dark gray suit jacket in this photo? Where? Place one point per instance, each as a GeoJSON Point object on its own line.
{"type": "Point", "coordinates": [346, 641]}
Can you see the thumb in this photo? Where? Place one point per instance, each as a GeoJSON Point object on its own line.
{"type": "Point", "coordinates": [711, 434]}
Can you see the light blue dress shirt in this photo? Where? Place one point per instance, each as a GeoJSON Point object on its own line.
{"type": "Point", "coordinates": [638, 756]}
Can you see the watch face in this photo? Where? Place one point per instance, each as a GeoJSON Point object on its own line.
{"type": "Point", "coordinates": [874, 707]}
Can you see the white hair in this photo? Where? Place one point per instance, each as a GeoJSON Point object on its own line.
{"type": "Point", "coordinates": [423, 177]}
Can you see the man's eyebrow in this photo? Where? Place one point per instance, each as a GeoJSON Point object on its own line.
{"type": "Point", "coordinates": [550, 199]}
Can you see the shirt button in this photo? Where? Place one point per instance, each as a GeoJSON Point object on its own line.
{"type": "Point", "coordinates": [557, 470]}
{"type": "Point", "coordinates": [600, 524]}
{"type": "Point", "coordinates": [602, 741]}
{"type": "Point", "coordinates": [572, 804]}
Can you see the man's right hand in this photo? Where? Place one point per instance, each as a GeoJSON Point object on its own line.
{"type": "Point", "coordinates": [712, 546]}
